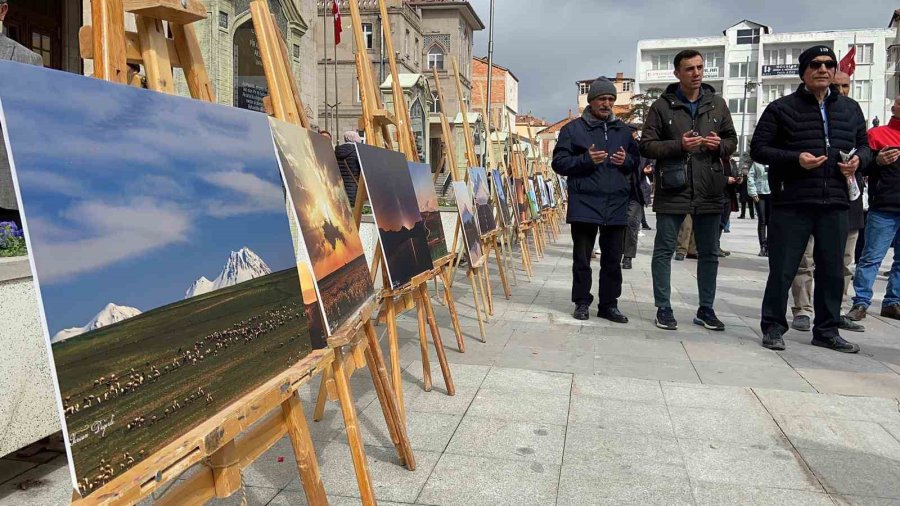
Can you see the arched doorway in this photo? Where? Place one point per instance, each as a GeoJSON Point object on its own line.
{"type": "Point", "coordinates": [249, 76]}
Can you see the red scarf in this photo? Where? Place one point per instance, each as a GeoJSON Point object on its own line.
{"type": "Point", "coordinates": [884, 136]}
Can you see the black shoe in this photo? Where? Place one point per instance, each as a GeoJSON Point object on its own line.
{"type": "Point", "coordinates": [665, 319]}
{"type": "Point", "coordinates": [692, 256]}
{"type": "Point", "coordinates": [741, 217]}
{"type": "Point", "coordinates": [773, 340]}
{"type": "Point", "coordinates": [679, 256]}
{"type": "Point", "coordinates": [724, 253]}
{"type": "Point", "coordinates": [850, 325]}
{"type": "Point", "coordinates": [763, 252]}
{"type": "Point", "coordinates": [582, 312]}
{"type": "Point", "coordinates": [801, 323]}
{"type": "Point", "coordinates": [626, 263]}
{"type": "Point", "coordinates": [612, 314]}
{"type": "Point", "coordinates": [857, 313]}
{"type": "Point", "coordinates": [836, 343]}
{"type": "Point", "coordinates": [707, 318]}
{"type": "Point", "coordinates": [645, 226]}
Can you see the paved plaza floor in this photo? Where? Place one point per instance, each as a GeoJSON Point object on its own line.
{"type": "Point", "coordinates": [551, 410]}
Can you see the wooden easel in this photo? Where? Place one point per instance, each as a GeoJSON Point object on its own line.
{"type": "Point", "coordinates": [376, 121]}
{"type": "Point", "coordinates": [520, 170]}
{"type": "Point", "coordinates": [474, 273]}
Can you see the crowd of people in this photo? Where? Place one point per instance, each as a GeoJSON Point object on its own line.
{"type": "Point", "coordinates": [825, 193]}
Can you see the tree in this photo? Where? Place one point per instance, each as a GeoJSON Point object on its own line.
{"type": "Point", "coordinates": [640, 105]}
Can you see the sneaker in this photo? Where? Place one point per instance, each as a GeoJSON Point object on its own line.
{"type": "Point", "coordinates": [707, 318]}
{"type": "Point", "coordinates": [626, 263]}
{"type": "Point", "coordinates": [836, 343]}
{"type": "Point", "coordinates": [612, 314]}
{"type": "Point", "coordinates": [850, 325]}
{"type": "Point", "coordinates": [800, 323]}
{"type": "Point", "coordinates": [665, 319]}
{"type": "Point", "coordinates": [857, 313]}
{"type": "Point", "coordinates": [582, 312]}
{"type": "Point", "coordinates": [679, 256]}
{"type": "Point", "coordinates": [773, 340]}
{"type": "Point", "coordinates": [892, 311]}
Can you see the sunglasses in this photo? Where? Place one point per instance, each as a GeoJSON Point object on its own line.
{"type": "Point", "coordinates": [829, 64]}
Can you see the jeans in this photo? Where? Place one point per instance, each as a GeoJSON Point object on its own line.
{"type": "Point", "coordinates": [612, 239]}
{"type": "Point", "coordinates": [763, 211]}
{"type": "Point", "coordinates": [789, 232]}
{"type": "Point", "coordinates": [882, 232]}
{"type": "Point", "coordinates": [706, 232]}
{"type": "Point", "coordinates": [634, 228]}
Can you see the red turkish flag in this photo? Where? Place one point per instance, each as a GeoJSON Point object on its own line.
{"type": "Point", "coordinates": [336, 12]}
{"type": "Point", "coordinates": [848, 62]}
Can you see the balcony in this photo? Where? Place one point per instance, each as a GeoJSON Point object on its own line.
{"type": "Point", "coordinates": [666, 74]}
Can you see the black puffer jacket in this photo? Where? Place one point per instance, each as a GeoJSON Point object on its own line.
{"type": "Point", "coordinates": [793, 125]}
{"type": "Point", "coordinates": [667, 121]}
{"type": "Point", "coordinates": [349, 165]}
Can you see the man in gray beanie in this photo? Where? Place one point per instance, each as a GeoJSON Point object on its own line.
{"type": "Point", "coordinates": [600, 158]}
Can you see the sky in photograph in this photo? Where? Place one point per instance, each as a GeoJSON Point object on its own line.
{"type": "Point", "coordinates": [424, 186]}
{"type": "Point", "coordinates": [130, 196]}
{"type": "Point", "coordinates": [478, 175]}
{"type": "Point", "coordinates": [550, 45]}
{"type": "Point", "coordinates": [390, 188]}
{"type": "Point", "coordinates": [317, 192]}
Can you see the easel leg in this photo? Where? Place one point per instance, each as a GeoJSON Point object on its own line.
{"type": "Point", "coordinates": [436, 339]}
{"type": "Point", "coordinates": [476, 297]}
{"type": "Point", "coordinates": [506, 244]}
{"type": "Point", "coordinates": [454, 316]}
{"type": "Point", "coordinates": [394, 349]}
{"type": "Point", "coordinates": [423, 340]}
{"type": "Point", "coordinates": [351, 424]}
{"type": "Point", "coordinates": [486, 288]}
{"type": "Point", "coordinates": [305, 454]}
{"type": "Point", "coordinates": [395, 423]}
{"type": "Point", "coordinates": [319, 412]}
{"type": "Point", "coordinates": [501, 265]}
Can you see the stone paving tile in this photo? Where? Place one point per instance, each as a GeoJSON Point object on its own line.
{"type": "Point", "coordinates": [743, 354]}
{"type": "Point", "coordinates": [715, 494]}
{"type": "Point", "coordinates": [621, 416]}
{"type": "Point", "coordinates": [855, 473]}
{"type": "Point", "coordinates": [625, 389]}
{"type": "Point", "coordinates": [298, 498]}
{"type": "Point", "coordinates": [51, 484]}
{"type": "Point", "coordinates": [751, 427]}
{"type": "Point", "coordinates": [645, 348]}
{"type": "Point", "coordinates": [9, 468]}
{"type": "Point", "coordinates": [426, 431]}
{"type": "Point", "coordinates": [710, 397]}
{"type": "Point", "coordinates": [509, 439]}
{"type": "Point", "coordinates": [880, 384]}
{"type": "Point", "coordinates": [520, 406]}
{"type": "Point", "coordinates": [745, 374]}
{"type": "Point", "coordinates": [464, 375]}
{"type": "Point", "coordinates": [840, 435]}
{"type": "Point", "coordinates": [546, 360]}
{"type": "Point", "coordinates": [255, 496]}
{"type": "Point", "coordinates": [523, 380]}
{"type": "Point", "coordinates": [850, 500]}
{"type": "Point", "coordinates": [781, 402]}
{"type": "Point", "coordinates": [437, 401]}
{"type": "Point", "coordinates": [739, 464]}
{"type": "Point", "coordinates": [662, 369]}
{"type": "Point", "coordinates": [462, 480]}
{"type": "Point", "coordinates": [579, 485]}
{"type": "Point", "coordinates": [611, 452]}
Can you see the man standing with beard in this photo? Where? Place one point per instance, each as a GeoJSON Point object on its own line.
{"type": "Point", "coordinates": [600, 158]}
{"type": "Point", "coordinates": [688, 132]}
{"type": "Point", "coordinates": [804, 138]}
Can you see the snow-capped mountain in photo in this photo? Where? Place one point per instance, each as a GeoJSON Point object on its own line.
{"type": "Point", "coordinates": [110, 314]}
{"type": "Point", "coordinates": [242, 265]}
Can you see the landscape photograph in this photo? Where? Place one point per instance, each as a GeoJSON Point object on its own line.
{"type": "Point", "coordinates": [532, 199]}
{"type": "Point", "coordinates": [522, 209]}
{"type": "Point", "coordinates": [395, 207]}
{"type": "Point", "coordinates": [471, 234]}
{"type": "Point", "coordinates": [483, 210]}
{"type": "Point", "coordinates": [544, 199]}
{"type": "Point", "coordinates": [502, 201]}
{"type": "Point", "coordinates": [330, 238]}
{"type": "Point", "coordinates": [423, 183]}
{"type": "Point", "coordinates": [163, 260]}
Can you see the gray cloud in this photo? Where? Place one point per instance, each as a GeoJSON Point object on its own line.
{"type": "Point", "coordinates": [551, 44]}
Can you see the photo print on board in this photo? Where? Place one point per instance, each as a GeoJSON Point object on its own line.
{"type": "Point", "coordinates": [423, 182]}
{"type": "Point", "coordinates": [479, 181]}
{"type": "Point", "coordinates": [331, 240]}
{"type": "Point", "coordinates": [162, 257]}
{"type": "Point", "coordinates": [404, 239]}
{"type": "Point", "coordinates": [471, 234]}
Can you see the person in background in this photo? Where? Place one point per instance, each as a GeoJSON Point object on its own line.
{"type": "Point", "coordinates": [599, 156]}
{"type": "Point", "coordinates": [688, 131]}
{"type": "Point", "coordinates": [647, 190]}
{"type": "Point", "coordinates": [758, 190]}
{"type": "Point", "coordinates": [746, 201]}
{"type": "Point", "coordinates": [800, 137]}
{"type": "Point", "coordinates": [636, 203]}
{"type": "Point", "coordinates": [730, 205]}
{"type": "Point", "coordinates": [349, 163]}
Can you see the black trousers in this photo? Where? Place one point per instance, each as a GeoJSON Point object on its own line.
{"type": "Point", "coordinates": [764, 212]}
{"type": "Point", "coordinates": [612, 241]}
{"type": "Point", "coordinates": [789, 231]}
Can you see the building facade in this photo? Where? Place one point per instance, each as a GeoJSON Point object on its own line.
{"type": "Point", "coordinates": [504, 94]}
{"type": "Point", "coordinates": [624, 93]}
{"type": "Point", "coordinates": [751, 66]}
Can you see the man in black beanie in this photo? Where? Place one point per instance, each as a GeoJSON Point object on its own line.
{"type": "Point", "coordinates": [804, 138]}
{"type": "Point", "coordinates": [600, 158]}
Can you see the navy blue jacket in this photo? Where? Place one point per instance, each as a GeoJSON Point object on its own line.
{"type": "Point", "coordinates": [597, 193]}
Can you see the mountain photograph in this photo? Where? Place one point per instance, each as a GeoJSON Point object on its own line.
{"type": "Point", "coordinates": [484, 212]}
{"type": "Point", "coordinates": [502, 202]}
{"type": "Point", "coordinates": [395, 206]}
{"type": "Point", "coordinates": [140, 199]}
{"type": "Point", "coordinates": [428, 206]}
{"type": "Point", "coordinates": [471, 234]}
{"type": "Point", "coordinates": [521, 201]}
{"type": "Point", "coordinates": [329, 237]}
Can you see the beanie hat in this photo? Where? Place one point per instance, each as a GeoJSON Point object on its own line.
{"type": "Point", "coordinates": [811, 53]}
{"type": "Point", "coordinates": [602, 86]}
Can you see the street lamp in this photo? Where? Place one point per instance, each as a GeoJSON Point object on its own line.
{"type": "Point", "coordinates": [749, 86]}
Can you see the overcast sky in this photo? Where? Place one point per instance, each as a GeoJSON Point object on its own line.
{"type": "Point", "coordinates": [550, 44]}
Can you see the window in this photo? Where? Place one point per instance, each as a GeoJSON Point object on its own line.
{"type": "Point", "coordinates": [406, 44]}
{"type": "Point", "coordinates": [714, 60]}
{"type": "Point", "coordinates": [862, 91]}
{"type": "Point", "coordinates": [296, 51]}
{"type": "Point", "coordinates": [662, 62]}
{"type": "Point", "coordinates": [584, 88]}
{"type": "Point", "coordinates": [735, 105]}
{"type": "Point", "coordinates": [627, 85]}
{"type": "Point", "coordinates": [436, 103]}
{"type": "Point", "coordinates": [435, 58]}
{"type": "Point", "coordinates": [368, 35]}
{"type": "Point", "coordinates": [749, 36]}
{"type": "Point", "coordinates": [864, 54]}
{"type": "Point", "coordinates": [772, 92]}
{"type": "Point", "coordinates": [223, 20]}
{"type": "Point", "coordinates": [742, 69]}
{"type": "Point", "coordinates": [40, 44]}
